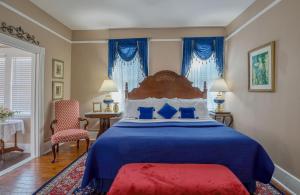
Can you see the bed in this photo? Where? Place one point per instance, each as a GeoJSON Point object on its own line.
{"type": "Point", "coordinates": [195, 141]}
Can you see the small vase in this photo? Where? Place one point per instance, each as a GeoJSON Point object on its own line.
{"type": "Point", "coordinates": [116, 107]}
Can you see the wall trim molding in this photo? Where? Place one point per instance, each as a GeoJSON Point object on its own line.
{"type": "Point", "coordinates": [37, 125]}
{"type": "Point", "coordinates": [165, 40]}
{"type": "Point", "coordinates": [287, 180]}
{"type": "Point", "coordinates": [154, 40]}
{"type": "Point", "coordinates": [106, 41]}
{"type": "Point", "coordinates": [33, 21]}
{"type": "Point", "coordinates": [252, 19]}
{"type": "Point", "coordinates": [96, 41]}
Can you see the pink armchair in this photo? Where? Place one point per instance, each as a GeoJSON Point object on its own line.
{"type": "Point", "coordinates": [66, 126]}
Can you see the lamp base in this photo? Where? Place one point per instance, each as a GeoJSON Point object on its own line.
{"type": "Point", "coordinates": [107, 109]}
{"type": "Point", "coordinates": [219, 100]}
{"type": "Point", "coordinates": [108, 102]}
{"type": "Point", "coordinates": [219, 108]}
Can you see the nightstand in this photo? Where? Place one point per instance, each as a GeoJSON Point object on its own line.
{"type": "Point", "coordinates": [222, 117]}
{"type": "Point", "coordinates": [104, 118]}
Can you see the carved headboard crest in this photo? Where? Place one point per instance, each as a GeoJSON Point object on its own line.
{"type": "Point", "coordinates": [166, 84]}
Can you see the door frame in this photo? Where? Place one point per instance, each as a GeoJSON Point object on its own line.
{"type": "Point", "coordinates": [37, 124]}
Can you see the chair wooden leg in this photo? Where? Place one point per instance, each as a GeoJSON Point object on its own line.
{"type": "Point", "coordinates": [54, 153]}
{"type": "Point", "coordinates": [87, 144]}
{"type": "Point", "coordinates": [78, 144]}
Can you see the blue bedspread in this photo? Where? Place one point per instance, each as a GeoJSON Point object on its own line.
{"type": "Point", "coordinates": [176, 142]}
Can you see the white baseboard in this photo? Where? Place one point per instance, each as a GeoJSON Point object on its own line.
{"type": "Point", "coordinates": [287, 180]}
{"type": "Point", "coordinates": [45, 147]}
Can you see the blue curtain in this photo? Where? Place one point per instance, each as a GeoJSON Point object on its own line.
{"type": "Point", "coordinates": [203, 47]}
{"type": "Point", "coordinates": [127, 49]}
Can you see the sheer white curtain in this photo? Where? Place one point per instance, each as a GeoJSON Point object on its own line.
{"type": "Point", "coordinates": [130, 72]}
{"type": "Point", "coordinates": [204, 70]}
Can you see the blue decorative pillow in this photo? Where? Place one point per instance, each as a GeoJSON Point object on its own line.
{"type": "Point", "coordinates": [187, 112]}
{"type": "Point", "coordinates": [146, 112]}
{"type": "Point", "coordinates": [167, 111]}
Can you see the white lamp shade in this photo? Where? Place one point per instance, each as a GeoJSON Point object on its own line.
{"type": "Point", "coordinates": [108, 86]}
{"type": "Point", "coordinates": [219, 85]}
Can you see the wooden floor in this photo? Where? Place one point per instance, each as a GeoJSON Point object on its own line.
{"type": "Point", "coordinates": [29, 177]}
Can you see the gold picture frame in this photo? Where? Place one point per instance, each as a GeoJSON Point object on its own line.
{"type": "Point", "coordinates": [57, 69]}
{"type": "Point", "coordinates": [261, 68]}
{"type": "Point", "coordinates": [57, 90]}
{"type": "Point", "coordinates": [97, 107]}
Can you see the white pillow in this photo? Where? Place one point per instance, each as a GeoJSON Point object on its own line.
{"type": "Point", "coordinates": [131, 107]}
{"type": "Point", "coordinates": [199, 104]}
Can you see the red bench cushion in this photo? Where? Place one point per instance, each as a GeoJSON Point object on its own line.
{"type": "Point", "coordinates": [173, 179]}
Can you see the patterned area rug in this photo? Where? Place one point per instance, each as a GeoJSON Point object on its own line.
{"type": "Point", "coordinates": [69, 180]}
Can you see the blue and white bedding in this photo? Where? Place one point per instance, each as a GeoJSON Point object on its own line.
{"type": "Point", "coordinates": [175, 141]}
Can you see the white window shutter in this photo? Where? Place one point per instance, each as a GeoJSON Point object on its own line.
{"type": "Point", "coordinates": [21, 89]}
{"type": "Point", "coordinates": [2, 80]}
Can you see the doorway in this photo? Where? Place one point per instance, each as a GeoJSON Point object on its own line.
{"type": "Point", "coordinates": [21, 102]}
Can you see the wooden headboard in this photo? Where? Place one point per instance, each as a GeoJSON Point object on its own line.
{"type": "Point", "coordinates": [166, 84]}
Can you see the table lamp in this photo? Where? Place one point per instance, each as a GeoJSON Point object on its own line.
{"type": "Point", "coordinates": [219, 86]}
{"type": "Point", "coordinates": [107, 87]}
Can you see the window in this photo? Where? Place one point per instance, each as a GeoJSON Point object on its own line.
{"type": "Point", "coordinates": [203, 70]}
{"type": "Point", "coordinates": [21, 85]}
{"type": "Point", "coordinates": [16, 84]}
{"type": "Point", "coordinates": [2, 80]}
{"type": "Point", "coordinates": [126, 71]}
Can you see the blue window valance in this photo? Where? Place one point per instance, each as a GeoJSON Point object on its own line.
{"type": "Point", "coordinates": [127, 50]}
{"type": "Point", "coordinates": [203, 47]}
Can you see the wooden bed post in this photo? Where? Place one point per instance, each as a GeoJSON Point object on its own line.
{"type": "Point", "coordinates": [205, 90]}
{"type": "Point", "coordinates": [126, 90]}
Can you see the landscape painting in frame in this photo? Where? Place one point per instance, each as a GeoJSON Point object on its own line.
{"type": "Point", "coordinates": [58, 69]}
{"type": "Point", "coordinates": [57, 90]}
{"type": "Point", "coordinates": [261, 68]}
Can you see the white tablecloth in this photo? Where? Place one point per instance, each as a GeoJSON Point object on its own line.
{"type": "Point", "coordinates": [10, 127]}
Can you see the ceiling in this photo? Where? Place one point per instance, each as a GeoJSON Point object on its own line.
{"type": "Point", "coordinates": [109, 14]}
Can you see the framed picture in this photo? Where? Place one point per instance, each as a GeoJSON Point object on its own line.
{"type": "Point", "coordinates": [261, 68]}
{"type": "Point", "coordinates": [97, 107]}
{"type": "Point", "coordinates": [57, 69]}
{"type": "Point", "coordinates": [57, 90]}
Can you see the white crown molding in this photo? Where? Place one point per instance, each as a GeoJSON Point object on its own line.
{"type": "Point", "coordinates": [33, 21]}
{"type": "Point", "coordinates": [152, 40]}
{"type": "Point", "coordinates": [105, 41]}
{"type": "Point", "coordinates": [96, 41]}
{"type": "Point", "coordinates": [64, 38]}
{"type": "Point", "coordinates": [287, 180]}
{"type": "Point", "coordinates": [252, 19]}
{"type": "Point", "coordinates": [165, 40]}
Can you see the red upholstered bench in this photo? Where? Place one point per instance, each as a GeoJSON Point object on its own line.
{"type": "Point", "coordinates": [173, 179]}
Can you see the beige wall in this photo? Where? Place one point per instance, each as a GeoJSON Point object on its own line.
{"type": "Point", "coordinates": [249, 13]}
{"type": "Point", "coordinates": [55, 47]}
{"type": "Point", "coordinates": [271, 118]}
{"type": "Point", "coordinates": [89, 61]}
